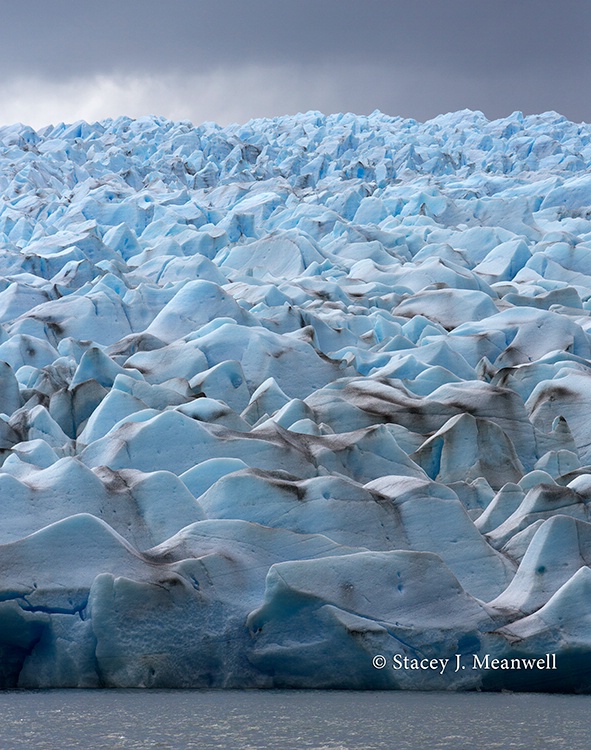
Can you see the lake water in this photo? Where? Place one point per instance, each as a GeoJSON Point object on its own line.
{"type": "Point", "coordinates": [284, 720]}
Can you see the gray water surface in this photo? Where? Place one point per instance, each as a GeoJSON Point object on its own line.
{"type": "Point", "coordinates": [291, 720]}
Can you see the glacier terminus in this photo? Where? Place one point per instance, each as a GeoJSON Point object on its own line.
{"type": "Point", "coordinates": [281, 398]}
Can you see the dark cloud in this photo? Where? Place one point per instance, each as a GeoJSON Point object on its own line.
{"type": "Point", "coordinates": [495, 55]}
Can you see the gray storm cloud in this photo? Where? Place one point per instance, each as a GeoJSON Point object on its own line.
{"type": "Point", "coordinates": [236, 59]}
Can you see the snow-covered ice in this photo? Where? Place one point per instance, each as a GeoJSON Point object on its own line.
{"type": "Point", "coordinates": [279, 397]}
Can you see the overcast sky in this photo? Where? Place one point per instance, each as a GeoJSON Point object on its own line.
{"type": "Point", "coordinates": [231, 60]}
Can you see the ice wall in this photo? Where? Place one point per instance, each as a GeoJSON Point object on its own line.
{"type": "Point", "coordinates": [279, 397]}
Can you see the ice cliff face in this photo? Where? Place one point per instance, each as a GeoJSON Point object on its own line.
{"type": "Point", "coordinates": [279, 397]}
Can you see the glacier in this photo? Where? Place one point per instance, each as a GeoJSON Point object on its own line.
{"type": "Point", "coordinates": [280, 397]}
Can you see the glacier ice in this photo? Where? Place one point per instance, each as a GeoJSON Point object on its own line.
{"type": "Point", "coordinates": [279, 397]}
